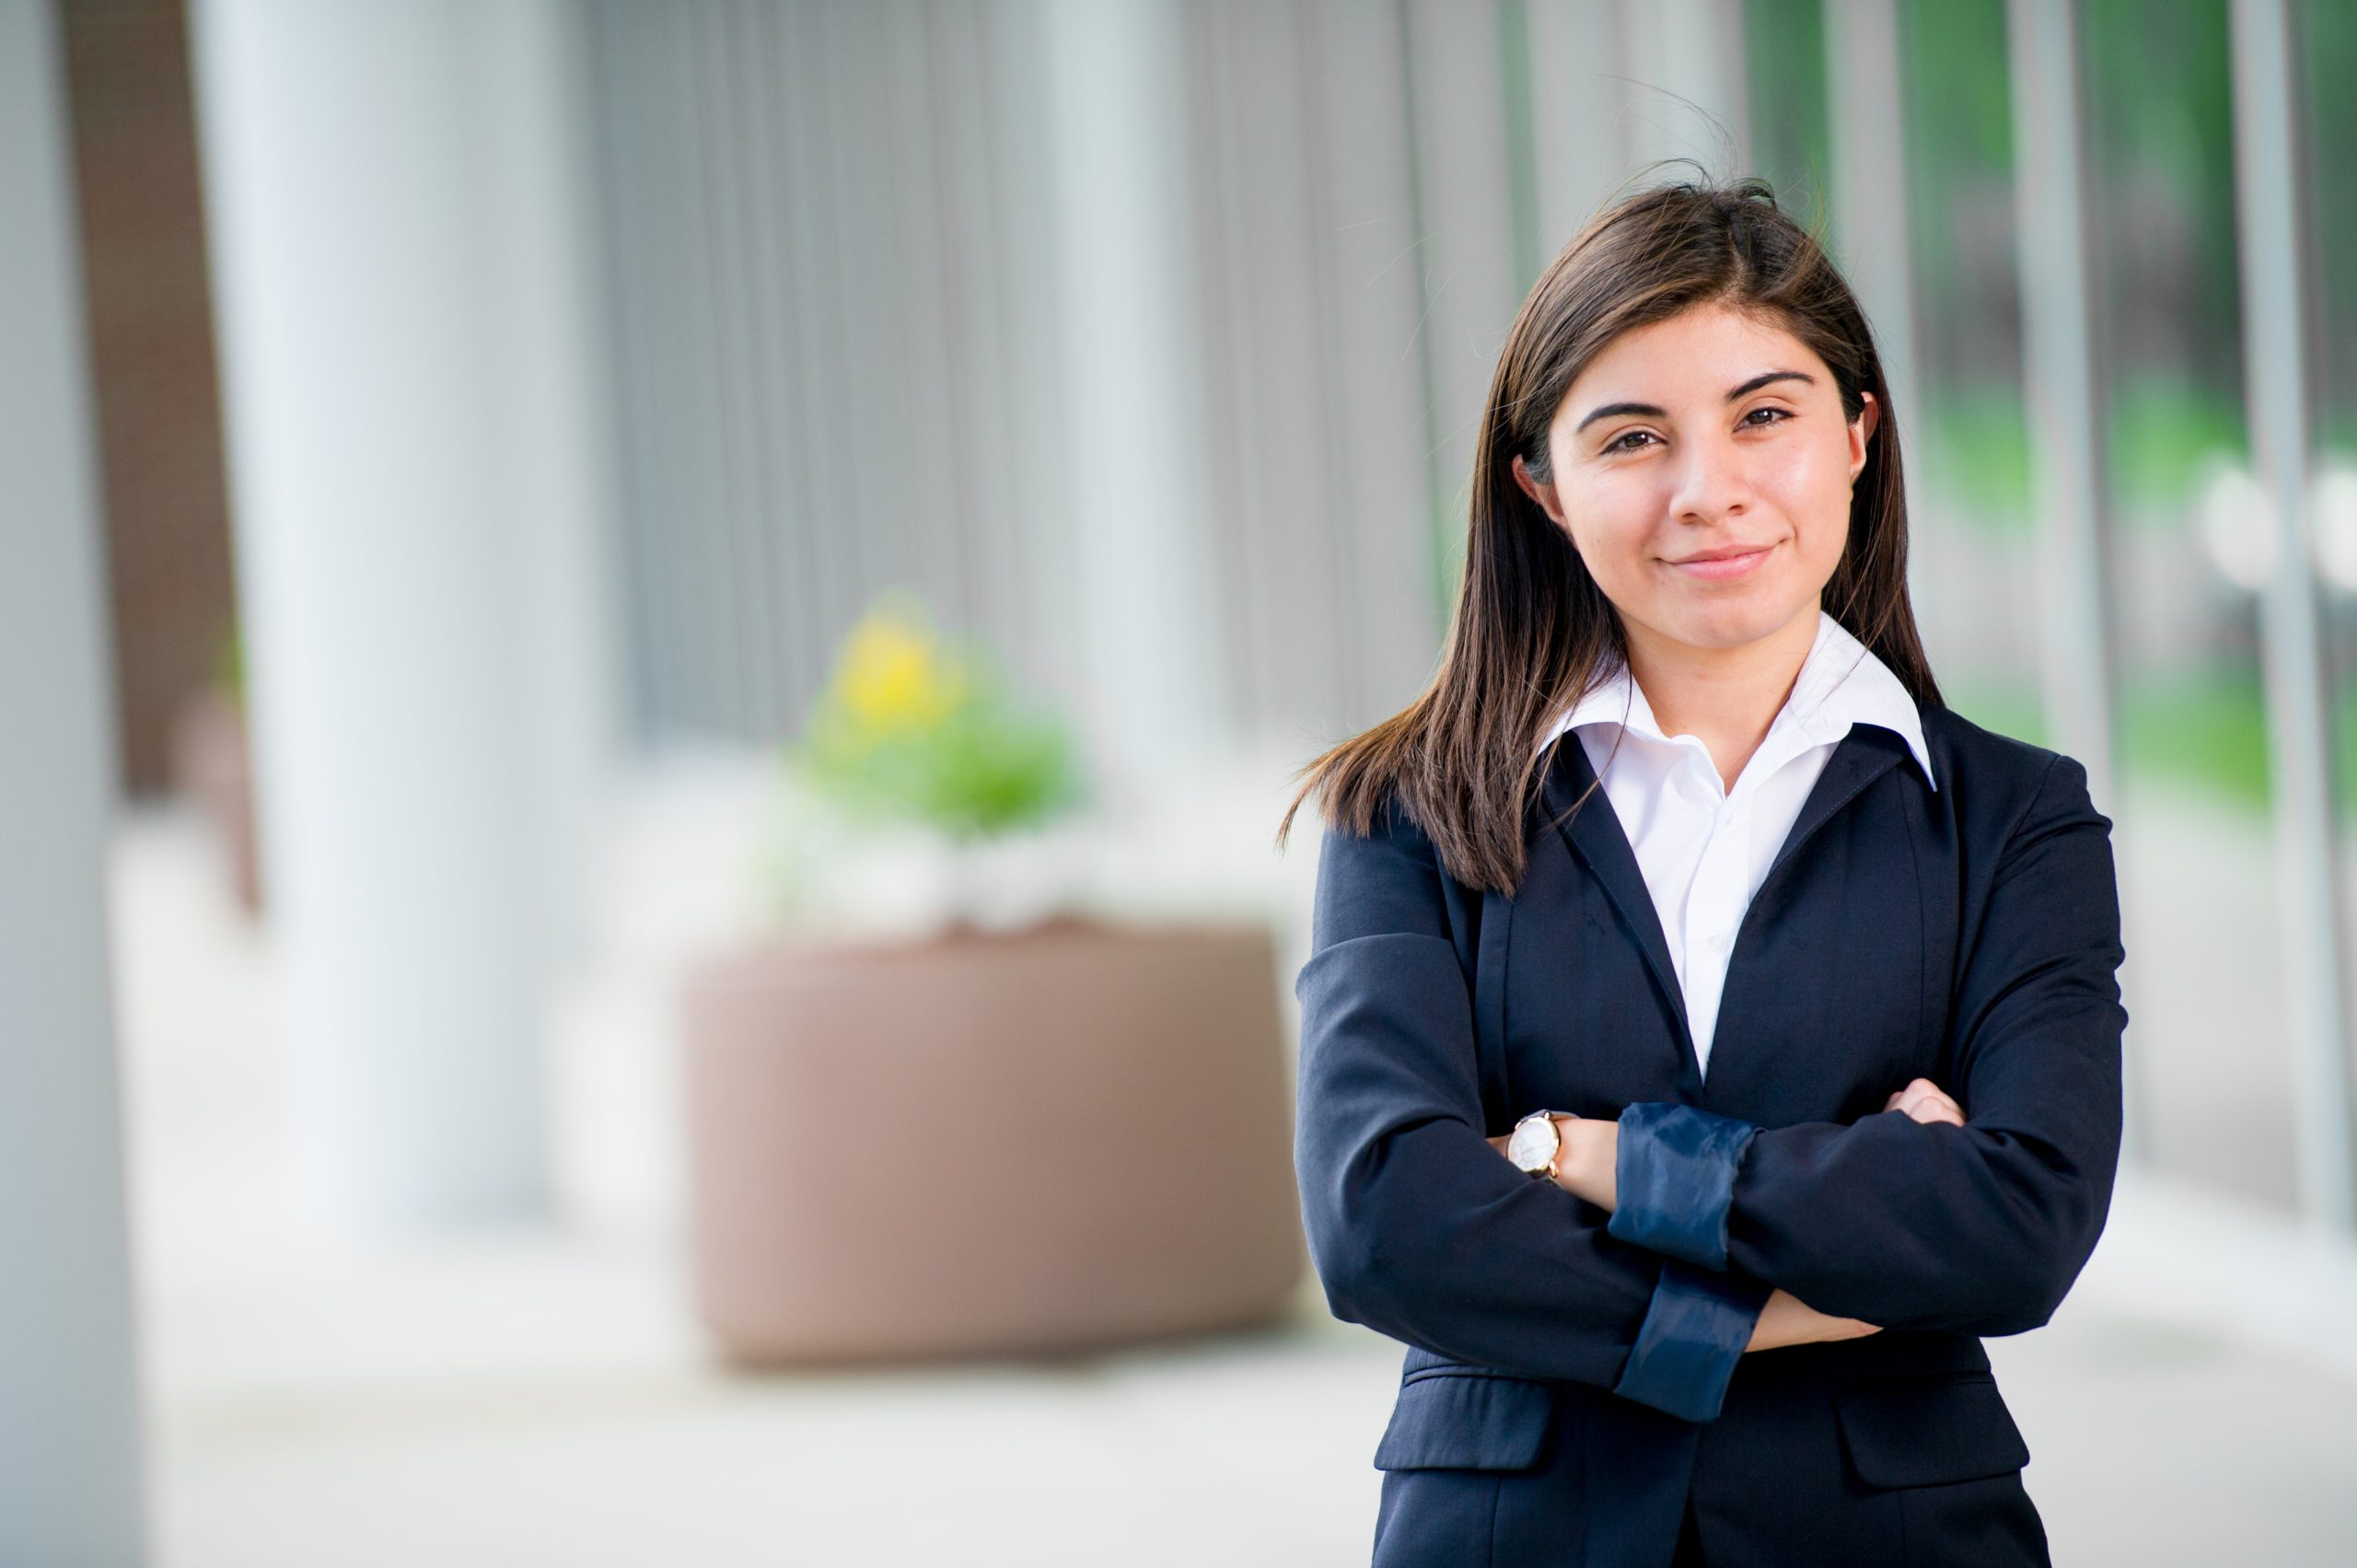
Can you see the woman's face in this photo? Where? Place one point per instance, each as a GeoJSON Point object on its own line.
{"type": "Point", "coordinates": [1702, 467]}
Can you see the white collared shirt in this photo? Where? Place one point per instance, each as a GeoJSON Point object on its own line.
{"type": "Point", "coordinates": [1705, 850]}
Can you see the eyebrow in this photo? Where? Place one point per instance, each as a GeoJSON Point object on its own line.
{"type": "Point", "coordinates": [1651, 411]}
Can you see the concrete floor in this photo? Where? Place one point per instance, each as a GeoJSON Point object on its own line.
{"type": "Point", "coordinates": [541, 1396]}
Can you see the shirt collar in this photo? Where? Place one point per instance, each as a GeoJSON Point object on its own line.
{"type": "Point", "coordinates": [1841, 683]}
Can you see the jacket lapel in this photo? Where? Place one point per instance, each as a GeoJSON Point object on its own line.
{"type": "Point", "coordinates": [1598, 840]}
{"type": "Point", "coordinates": [1843, 905]}
{"type": "Point", "coordinates": [1864, 754]}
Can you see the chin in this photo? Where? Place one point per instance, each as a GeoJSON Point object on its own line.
{"type": "Point", "coordinates": [1732, 624]}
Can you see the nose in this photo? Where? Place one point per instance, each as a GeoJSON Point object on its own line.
{"type": "Point", "coordinates": [1711, 483]}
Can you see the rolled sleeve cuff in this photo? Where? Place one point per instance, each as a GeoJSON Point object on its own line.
{"type": "Point", "coordinates": [1694, 1332]}
{"type": "Point", "coordinates": [1675, 1176]}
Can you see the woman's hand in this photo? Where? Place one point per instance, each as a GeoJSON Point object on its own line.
{"type": "Point", "coordinates": [1922, 1100]}
{"type": "Point", "coordinates": [1786, 1319]}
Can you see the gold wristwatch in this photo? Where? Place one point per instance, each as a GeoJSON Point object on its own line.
{"type": "Point", "coordinates": [1536, 1141]}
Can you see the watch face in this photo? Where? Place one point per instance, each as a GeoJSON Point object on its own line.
{"type": "Point", "coordinates": [1533, 1144]}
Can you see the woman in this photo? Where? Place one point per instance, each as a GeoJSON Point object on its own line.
{"type": "Point", "coordinates": [1707, 1036]}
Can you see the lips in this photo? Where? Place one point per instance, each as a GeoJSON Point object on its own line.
{"type": "Point", "coordinates": [1724, 566]}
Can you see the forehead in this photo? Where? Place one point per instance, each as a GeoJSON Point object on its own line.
{"type": "Point", "coordinates": [1698, 354]}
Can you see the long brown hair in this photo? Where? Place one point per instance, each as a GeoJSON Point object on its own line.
{"type": "Point", "coordinates": [1532, 632]}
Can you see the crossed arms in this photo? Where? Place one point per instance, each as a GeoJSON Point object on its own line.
{"type": "Point", "coordinates": [1421, 1230]}
{"type": "Point", "coordinates": [1587, 1164]}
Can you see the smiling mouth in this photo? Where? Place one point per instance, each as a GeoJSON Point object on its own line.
{"type": "Point", "coordinates": [1718, 564]}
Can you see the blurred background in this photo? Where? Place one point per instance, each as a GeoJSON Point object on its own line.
{"type": "Point", "coordinates": [649, 653]}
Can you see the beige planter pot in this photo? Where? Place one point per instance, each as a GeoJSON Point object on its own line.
{"type": "Point", "coordinates": [213, 766]}
{"type": "Point", "coordinates": [1048, 1141]}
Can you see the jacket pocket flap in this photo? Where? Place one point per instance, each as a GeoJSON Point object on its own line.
{"type": "Point", "coordinates": [1928, 1431]}
{"type": "Point", "coordinates": [1466, 1420]}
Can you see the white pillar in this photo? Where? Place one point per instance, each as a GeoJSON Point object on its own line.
{"type": "Point", "coordinates": [1617, 85]}
{"type": "Point", "coordinates": [2062, 389]}
{"type": "Point", "coordinates": [1579, 87]}
{"type": "Point", "coordinates": [1148, 621]}
{"type": "Point", "coordinates": [2280, 329]}
{"type": "Point", "coordinates": [1684, 95]}
{"type": "Point", "coordinates": [70, 1485]}
{"type": "Point", "coordinates": [397, 273]}
{"type": "Point", "coordinates": [1869, 202]}
{"type": "Point", "coordinates": [559, 472]}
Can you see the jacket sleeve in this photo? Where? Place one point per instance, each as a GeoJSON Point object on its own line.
{"type": "Point", "coordinates": [1419, 1228]}
{"type": "Point", "coordinates": [1981, 1228]}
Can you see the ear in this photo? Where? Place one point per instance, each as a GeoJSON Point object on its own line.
{"type": "Point", "coordinates": [1542, 494]}
{"type": "Point", "coordinates": [1861, 431]}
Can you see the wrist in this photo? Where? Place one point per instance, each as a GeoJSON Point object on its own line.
{"type": "Point", "coordinates": [1560, 1167]}
{"type": "Point", "coordinates": [1583, 1165]}
{"type": "Point", "coordinates": [1774, 1326]}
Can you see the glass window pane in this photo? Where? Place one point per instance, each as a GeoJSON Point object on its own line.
{"type": "Point", "coordinates": [2210, 1042]}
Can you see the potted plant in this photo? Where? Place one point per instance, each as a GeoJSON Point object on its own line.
{"type": "Point", "coordinates": [967, 1115]}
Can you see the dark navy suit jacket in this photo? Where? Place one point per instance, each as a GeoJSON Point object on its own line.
{"type": "Point", "coordinates": [1574, 1379]}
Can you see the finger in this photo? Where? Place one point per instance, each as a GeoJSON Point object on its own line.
{"type": "Point", "coordinates": [1936, 1107]}
{"type": "Point", "coordinates": [1926, 1101]}
{"type": "Point", "coordinates": [1914, 1089]}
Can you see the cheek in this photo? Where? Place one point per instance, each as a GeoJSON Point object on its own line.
{"type": "Point", "coordinates": [1811, 486]}
{"type": "Point", "coordinates": [1613, 519]}
{"type": "Point", "coordinates": [1613, 543]}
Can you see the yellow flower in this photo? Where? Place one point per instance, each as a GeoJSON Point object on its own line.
{"type": "Point", "coordinates": [894, 675]}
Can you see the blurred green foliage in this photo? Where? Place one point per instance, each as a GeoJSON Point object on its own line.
{"type": "Point", "coordinates": [2207, 729]}
{"type": "Point", "coordinates": [1792, 146]}
{"type": "Point", "coordinates": [2160, 119]}
{"type": "Point", "coordinates": [2162, 429]}
{"type": "Point", "coordinates": [913, 730]}
{"type": "Point", "coordinates": [1992, 700]}
{"type": "Point", "coordinates": [2329, 56]}
{"type": "Point", "coordinates": [2210, 731]}
{"type": "Point", "coordinates": [1975, 448]}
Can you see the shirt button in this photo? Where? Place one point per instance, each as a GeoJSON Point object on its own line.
{"type": "Point", "coordinates": [1719, 943]}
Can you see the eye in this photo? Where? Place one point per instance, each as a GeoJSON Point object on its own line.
{"type": "Point", "coordinates": [1614, 444]}
{"type": "Point", "coordinates": [1782, 414]}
